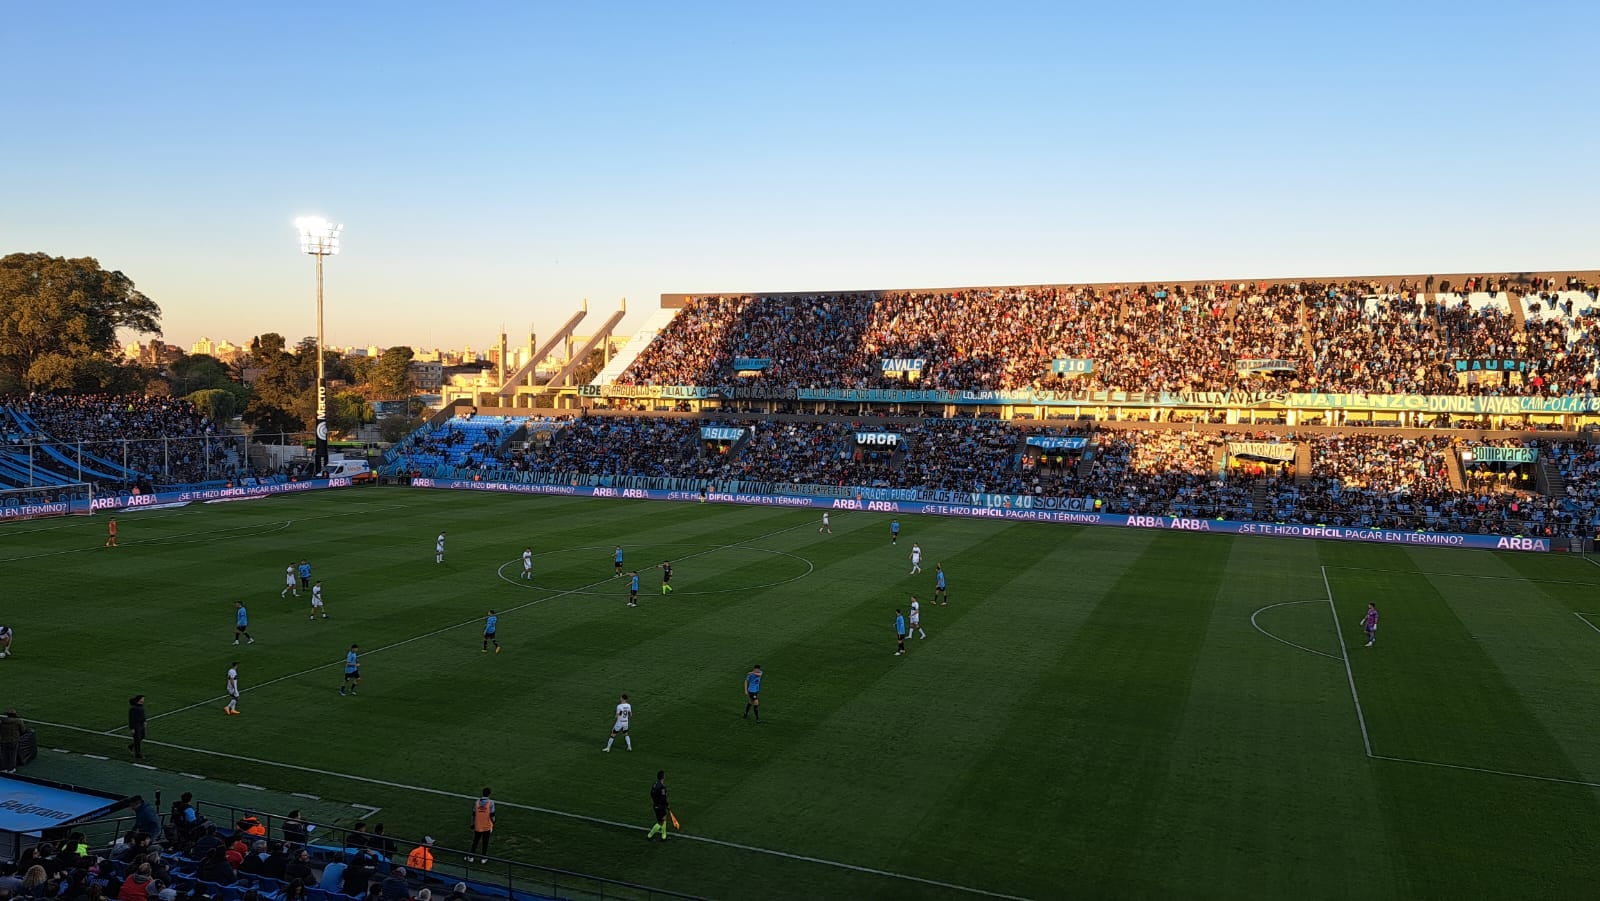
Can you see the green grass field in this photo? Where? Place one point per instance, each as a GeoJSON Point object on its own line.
{"type": "Point", "coordinates": [1097, 713]}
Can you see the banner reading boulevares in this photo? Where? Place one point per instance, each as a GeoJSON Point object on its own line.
{"type": "Point", "coordinates": [1023, 514]}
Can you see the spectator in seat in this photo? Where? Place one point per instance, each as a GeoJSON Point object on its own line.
{"type": "Point", "coordinates": [216, 868]}
{"type": "Point", "coordinates": [333, 876]}
{"type": "Point", "coordinates": [299, 868]}
{"type": "Point", "coordinates": [421, 857]}
{"type": "Point", "coordinates": [358, 876]}
{"type": "Point", "coordinates": [137, 886]}
{"type": "Point", "coordinates": [395, 888]}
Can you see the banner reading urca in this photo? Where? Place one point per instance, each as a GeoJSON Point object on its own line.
{"type": "Point", "coordinates": [1018, 513]}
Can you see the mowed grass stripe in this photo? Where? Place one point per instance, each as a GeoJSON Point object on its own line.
{"type": "Point", "coordinates": [1109, 705]}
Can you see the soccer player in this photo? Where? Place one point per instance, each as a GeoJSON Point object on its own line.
{"type": "Point", "coordinates": [241, 623]}
{"type": "Point", "coordinates": [289, 582]}
{"type": "Point", "coordinates": [666, 577]}
{"type": "Point", "coordinates": [916, 558]}
{"type": "Point", "coordinates": [233, 689]}
{"type": "Point", "coordinates": [620, 727]}
{"type": "Point", "coordinates": [1369, 624]}
{"type": "Point", "coordinates": [939, 593]}
{"type": "Point", "coordinates": [316, 602]}
{"type": "Point", "coordinates": [616, 560]}
{"type": "Point", "coordinates": [658, 801]}
{"type": "Point", "coordinates": [111, 532]}
{"type": "Point", "coordinates": [483, 817]}
{"type": "Point", "coordinates": [899, 632]}
{"type": "Point", "coordinates": [527, 563]}
{"type": "Point", "coordinates": [5, 640]}
{"type": "Point", "coordinates": [825, 526]}
{"type": "Point", "coordinates": [305, 574]}
{"type": "Point", "coordinates": [489, 625]}
{"type": "Point", "coordinates": [352, 670]}
{"type": "Point", "coordinates": [438, 548]}
{"type": "Point", "coordinates": [633, 590]}
{"type": "Point", "coordinates": [894, 531]}
{"type": "Point", "coordinates": [752, 690]}
{"type": "Point", "coordinates": [916, 618]}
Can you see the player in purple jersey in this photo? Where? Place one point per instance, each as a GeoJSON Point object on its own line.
{"type": "Point", "coordinates": [1369, 623]}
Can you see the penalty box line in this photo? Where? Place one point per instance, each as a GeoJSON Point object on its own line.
{"type": "Point", "coordinates": [550, 811]}
{"type": "Point", "coordinates": [116, 730]}
{"type": "Point", "coordinates": [1366, 740]}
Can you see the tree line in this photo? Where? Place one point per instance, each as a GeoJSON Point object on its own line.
{"type": "Point", "coordinates": [59, 322]}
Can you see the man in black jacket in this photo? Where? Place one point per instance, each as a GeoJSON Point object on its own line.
{"type": "Point", "coordinates": [136, 725]}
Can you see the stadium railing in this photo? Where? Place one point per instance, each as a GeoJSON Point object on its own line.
{"type": "Point", "coordinates": [499, 878]}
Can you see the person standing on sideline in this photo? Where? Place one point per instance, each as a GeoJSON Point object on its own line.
{"type": "Point", "coordinates": [11, 729]}
{"type": "Point", "coordinates": [658, 800]}
{"type": "Point", "coordinates": [939, 593]}
{"type": "Point", "coordinates": [620, 727]}
{"type": "Point", "coordinates": [825, 526]}
{"type": "Point", "coordinates": [233, 689]}
{"type": "Point", "coordinates": [752, 691]}
{"type": "Point", "coordinates": [899, 632]}
{"type": "Point", "coordinates": [352, 670]}
{"type": "Point", "coordinates": [136, 722]}
{"type": "Point", "coordinates": [111, 532]}
{"type": "Point", "coordinates": [490, 624]}
{"type": "Point", "coordinates": [438, 548]}
{"type": "Point", "coordinates": [241, 623]}
{"type": "Point", "coordinates": [482, 826]}
{"type": "Point", "coordinates": [1369, 624]}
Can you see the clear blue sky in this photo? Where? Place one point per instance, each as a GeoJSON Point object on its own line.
{"type": "Point", "coordinates": [497, 162]}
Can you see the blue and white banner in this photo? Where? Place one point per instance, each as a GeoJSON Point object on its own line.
{"type": "Point", "coordinates": [1264, 366]}
{"type": "Point", "coordinates": [1058, 442]}
{"type": "Point", "coordinates": [720, 433]}
{"type": "Point", "coordinates": [878, 439]}
{"type": "Point", "coordinates": [751, 364]}
{"type": "Point", "coordinates": [1491, 365]}
{"type": "Point", "coordinates": [903, 364]}
{"type": "Point", "coordinates": [1024, 514]}
{"type": "Point", "coordinates": [1071, 366]}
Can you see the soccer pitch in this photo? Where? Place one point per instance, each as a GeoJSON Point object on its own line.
{"type": "Point", "coordinates": [1097, 712]}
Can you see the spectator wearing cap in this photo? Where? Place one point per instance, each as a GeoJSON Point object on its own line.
{"type": "Point", "coordinates": [395, 888]}
{"type": "Point", "coordinates": [421, 857]}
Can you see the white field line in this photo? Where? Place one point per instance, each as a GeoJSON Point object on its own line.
{"type": "Point", "coordinates": [1590, 560]}
{"type": "Point", "coordinates": [1477, 769]}
{"type": "Point", "coordinates": [477, 620]}
{"type": "Point", "coordinates": [154, 514]}
{"type": "Point", "coordinates": [1584, 618]}
{"type": "Point", "coordinates": [211, 535]}
{"type": "Point", "coordinates": [1366, 740]}
{"type": "Point", "coordinates": [599, 821]}
{"type": "Point", "coordinates": [1285, 640]}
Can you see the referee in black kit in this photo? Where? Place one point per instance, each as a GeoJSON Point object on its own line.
{"type": "Point", "coordinates": [658, 800]}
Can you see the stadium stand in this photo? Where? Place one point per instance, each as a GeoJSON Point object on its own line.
{"type": "Point", "coordinates": [112, 442]}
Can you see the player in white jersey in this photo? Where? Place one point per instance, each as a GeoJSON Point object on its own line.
{"type": "Point", "coordinates": [438, 548]}
{"type": "Point", "coordinates": [289, 582]}
{"type": "Point", "coordinates": [5, 641]}
{"type": "Point", "coordinates": [527, 563]}
{"type": "Point", "coordinates": [620, 727]}
{"type": "Point", "coordinates": [825, 526]}
{"type": "Point", "coordinates": [916, 618]}
{"type": "Point", "coordinates": [316, 602]}
{"type": "Point", "coordinates": [916, 559]}
{"type": "Point", "coordinates": [233, 690]}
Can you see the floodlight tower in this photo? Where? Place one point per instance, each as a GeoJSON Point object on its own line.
{"type": "Point", "coordinates": [320, 238]}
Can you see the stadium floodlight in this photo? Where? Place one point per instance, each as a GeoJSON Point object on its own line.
{"type": "Point", "coordinates": [320, 238]}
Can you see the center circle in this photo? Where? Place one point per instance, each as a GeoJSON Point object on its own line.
{"type": "Point", "coordinates": [703, 558]}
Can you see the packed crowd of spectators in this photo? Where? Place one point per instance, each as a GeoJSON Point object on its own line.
{"type": "Point", "coordinates": [163, 440]}
{"type": "Point", "coordinates": [1345, 337]}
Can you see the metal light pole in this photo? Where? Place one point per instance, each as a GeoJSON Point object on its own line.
{"type": "Point", "coordinates": [320, 238]}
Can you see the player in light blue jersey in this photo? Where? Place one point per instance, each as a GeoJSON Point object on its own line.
{"type": "Point", "coordinates": [752, 690]}
{"type": "Point", "coordinates": [633, 589]}
{"type": "Point", "coordinates": [939, 593]}
{"type": "Point", "coordinates": [894, 531]}
{"type": "Point", "coordinates": [241, 623]}
{"type": "Point", "coordinates": [899, 632]}
{"type": "Point", "coordinates": [489, 625]}
{"type": "Point", "coordinates": [352, 670]}
{"type": "Point", "coordinates": [616, 561]}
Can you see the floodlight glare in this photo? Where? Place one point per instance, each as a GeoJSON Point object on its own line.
{"type": "Point", "coordinates": [318, 236]}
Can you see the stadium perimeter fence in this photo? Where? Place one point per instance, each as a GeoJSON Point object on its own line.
{"type": "Point", "coordinates": [498, 878]}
